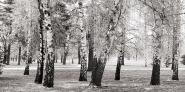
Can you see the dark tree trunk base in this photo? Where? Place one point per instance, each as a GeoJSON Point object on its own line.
{"type": "Point", "coordinates": [39, 75]}
{"type": "Point", "coordinates": [26, 71]}
{"type": "Point", "coordinates": [64, 59]}
{"type": "Point", "coordinates": [19, 57]}
{"type": "Point", "coordinates": [49, 77]}
{"type": "Point", "coordinates": [97, 73]}
{"type": "Point", "coordinates": [90, 61]}
{"type": "Point", "coordinates": [8, 54]}
{"type": "Point", "coordinates": [175, 71]}
{"type": "Point", "coordinates": [83, 72]}
{"type": "Point", "coordinates": [155, 79]}
{"type": "Point", "coordinates": [118, 69]}
{"type": "Point", "coordinates": [175, 77]}
{"type": "Point", "coordinates": [82, 78]}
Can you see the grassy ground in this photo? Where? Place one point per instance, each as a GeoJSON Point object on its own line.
{"type": "Point", "coordinates": [133, 79]}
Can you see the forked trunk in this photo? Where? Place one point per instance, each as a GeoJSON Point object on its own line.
{"type": "Point", "coordinates": [99, 64]}
{"type": "Point", "coordinates": [98, 69]}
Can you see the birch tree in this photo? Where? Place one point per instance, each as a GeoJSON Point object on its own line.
{"type": "Point", "coordinates": [42, 47]}
{"type": "Point", "coordinates": [83, 43]}
{"type": "Point", "coordinates": [109, 24]}
{"type": "Point", "coordinates": [50, 56]}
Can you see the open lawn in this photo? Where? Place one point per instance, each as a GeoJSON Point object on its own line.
{"type": "Point", "coordinates": [133, 79]}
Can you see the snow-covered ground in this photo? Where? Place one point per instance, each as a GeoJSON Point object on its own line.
{"type": "Point", "coordinates": [66, 80]}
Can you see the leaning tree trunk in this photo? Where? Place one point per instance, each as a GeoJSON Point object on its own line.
{"type": "Point", "coordinates": [19, 57]}
{"type": "Point", "coordinates": [49, 76]}
{"type": "Point", "coordinates": [155, 79]}
{"type": "Point", "coordinates": [8, 54]}
{"type": "Point", "coordinates": [40, 60]}
{"type": "Point", "coordinates": [98, 69]}
{"type": "Point", "coordinates": [99, 66]}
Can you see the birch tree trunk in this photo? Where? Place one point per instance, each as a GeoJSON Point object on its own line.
{"type": "Point", "coordinates": [83, 58]}
{"type": "Point", "coordinates": [50, 59]}
{"type": "Point", "coordinates": [26, 71]}
{"type": "Point", "coordinates": [176, 36]}
{"type": "Point", "coordinates": [175, 54]}
{"type": "Point", "coordinates": [155, 79]}
{"type": "Point", "coordinates": [83, 47]}
{"type": "Point", "coordinates": [41, 58]}
{"type": "Point", "coordinates": [99, 66]}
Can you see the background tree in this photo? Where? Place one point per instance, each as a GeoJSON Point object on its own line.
{"type": "Point", "coordinates": [6, 18]}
